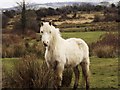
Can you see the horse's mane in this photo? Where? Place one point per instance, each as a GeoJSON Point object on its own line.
{"type": "Point", "coordinates": [56, 34]}
{"type": "Point", "coordinates": [54, 30]}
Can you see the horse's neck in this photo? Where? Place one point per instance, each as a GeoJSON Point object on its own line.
{"type": "Point", "coordinates": [56, 44]}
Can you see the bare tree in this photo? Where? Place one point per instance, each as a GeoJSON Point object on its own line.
{"type": "Point", "coordinates": [23, 17]}
{"type": "Point", "coordinates": [22, 7]}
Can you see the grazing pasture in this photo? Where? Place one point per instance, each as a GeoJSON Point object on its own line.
{"type": "Point", "coordinates": [104, 71]}
{"type": "Point", "coordinates": [89, 37]}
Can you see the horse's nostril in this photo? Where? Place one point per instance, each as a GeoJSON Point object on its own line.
{"type": "Point", "coordinates": [44, 44]}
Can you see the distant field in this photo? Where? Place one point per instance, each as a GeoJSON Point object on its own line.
{"type": "Point", "coordinates": [87, 36]}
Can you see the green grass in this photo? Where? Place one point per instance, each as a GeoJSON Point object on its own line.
{"type": "Point", "coordinates": [8, 63]}
{"type": "Point", "coordinates": [104, 72]}
{"type": "Point", "coordinates": [89, 37]}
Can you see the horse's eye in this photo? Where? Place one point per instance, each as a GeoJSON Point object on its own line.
{"type": "Point", "coordinates": [41, 31]}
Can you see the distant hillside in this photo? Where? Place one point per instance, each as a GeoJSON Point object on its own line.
{"type": "Point", "coordinates": [105, 3]}
{"type": "Point", "coordinates": [59, 4]}
{"type": "Point", "coordinates": [53, 5]}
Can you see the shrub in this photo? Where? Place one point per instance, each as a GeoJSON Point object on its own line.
{"type": "Point", "coordinates": [13, 46]}
{"type": "Point", "coordinates": [28, 72]}
{"type": "Point", "coordinates": [7, 52]}
{"type": "Point", "coordinates": [9, 13]}
{"type": "Point", "coordinates": [110, 17]}
{"type": "Point", "coordinates": [97, 18]}
{"type": "Point", "coordinates": [16, 50]}
{"type": "Point", "coordinates": [67, 77]}
{"type": "Point", "coordinates": [5, 20]}
{"type": "Point", "coordinates": [37, 48]}
{"type": "Point", "coordinates": [19, 50]}
{"type": "Point", "coordinates": [106, 47]}
{"type": "Point", "coordinates": [104, 51]}
{"type": "Point", "coordinates": [9, 39]}
{"type": "Point", "coordinates": [31, 34]}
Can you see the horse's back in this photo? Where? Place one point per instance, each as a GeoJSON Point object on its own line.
{"type": "Point", "coordinates": [81, 43]}
{"type": "Point", "coordinates": [77, 49]}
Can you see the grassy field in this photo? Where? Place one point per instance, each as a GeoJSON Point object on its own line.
{"type": "Point", "coordinates": [87, 36]}
{"type": "Point", "coordinates": [103, 71]}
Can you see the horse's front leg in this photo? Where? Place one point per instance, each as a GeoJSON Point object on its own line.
{"type": "Point", "coordinates": [58, 72]}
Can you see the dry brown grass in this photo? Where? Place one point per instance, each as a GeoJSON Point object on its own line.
{"type": "Point", "coordinates": [15, 46]}
{"type": "Point", "coordinates": [81, 18]}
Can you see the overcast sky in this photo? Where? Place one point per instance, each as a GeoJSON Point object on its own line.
{"type": "Point", "coordinates": [11, 3]}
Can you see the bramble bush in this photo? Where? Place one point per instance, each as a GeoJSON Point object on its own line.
{"type": "Point", "coordinates": [31, 72]}
{"type": "Point", "coordinates": [15, 46]}
{"type": "Point", "coordinates": [106, 47]}
{"type": "Point", "coordinates": [28, 72]}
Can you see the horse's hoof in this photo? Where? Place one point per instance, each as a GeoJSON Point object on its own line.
{"type": "Point", "coordinates": [59, 87]}
{"type": "Point", "coordinates": [87, 88]}
{"type": "Point", "coordinates": [75, 87]}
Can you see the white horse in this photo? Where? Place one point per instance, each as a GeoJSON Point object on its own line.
{"type": "Point", "coordinates": [61, 53]}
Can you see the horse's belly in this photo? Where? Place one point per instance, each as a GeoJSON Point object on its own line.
{"type": "Point", "coordinates": [74, 57]}
{"type": "Point", "coordinates": [72, 63]}
{"type": "Point", "coordinates": [73, 60]}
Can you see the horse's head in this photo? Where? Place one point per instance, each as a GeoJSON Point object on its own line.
{"type": "Point", "coordinates": [48, 32]}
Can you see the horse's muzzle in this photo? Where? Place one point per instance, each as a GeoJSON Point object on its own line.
{"type": "Point", "coordinates": [45, 45]}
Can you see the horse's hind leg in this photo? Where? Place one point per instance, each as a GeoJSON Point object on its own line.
{"type": "Point", "coordinates": [85, 71]}
{"type": "Point", "coordinates": [77, 73]}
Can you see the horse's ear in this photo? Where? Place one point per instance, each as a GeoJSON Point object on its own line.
{"type": "Point", "coordinates": [50, 22]}
{"type": "Point", "coordinates": [41, 24]}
